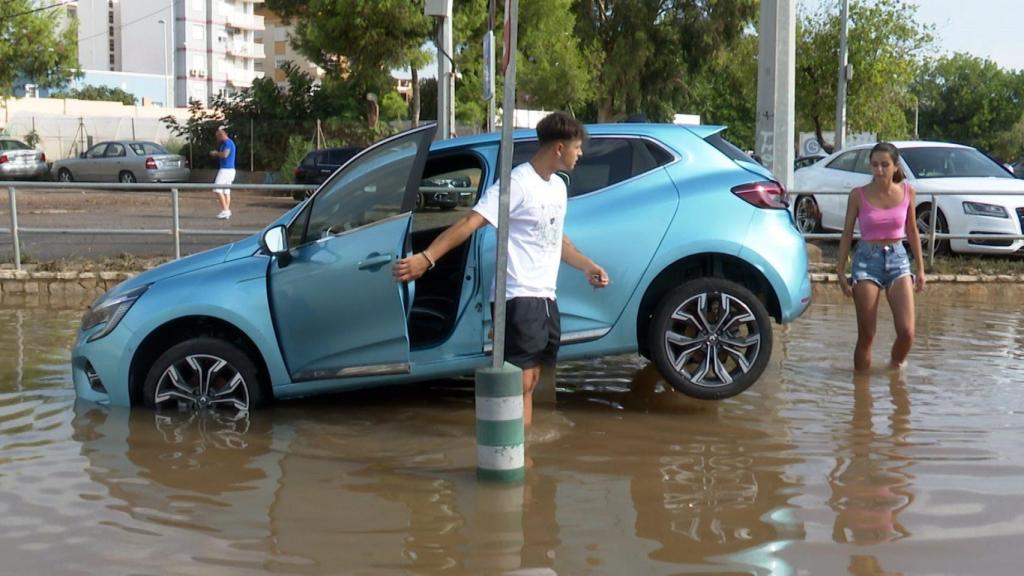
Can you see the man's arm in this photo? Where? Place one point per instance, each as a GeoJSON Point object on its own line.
{"type": "Point", "coordinates": [411, 268]}
{"type": "Point", "coordinates": [596, 275]}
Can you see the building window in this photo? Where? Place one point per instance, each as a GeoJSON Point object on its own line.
{"type": "Point", "coordinates": [198, 32]}
{"type": "Point", "coordinates": [110, 17]}
{"type": "Point", "coordinates": [110, 31]}
{"type": "Point", "coordinates": [111, 61]}
{"type": "Point", "coordinates": [279, 47]}
{"type": "Point", "coordinates": [111, 44]}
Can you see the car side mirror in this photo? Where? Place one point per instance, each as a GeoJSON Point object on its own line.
{"type": "Point", "coordinates": [275, 240]}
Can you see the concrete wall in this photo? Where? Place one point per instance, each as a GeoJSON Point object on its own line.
{"type": "Point", "coordinates": [63, 124]}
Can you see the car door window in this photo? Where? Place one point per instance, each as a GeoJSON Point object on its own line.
{"type": "Point", "coordinates": [845, 161]}
{"type": "Point", "coordinates": [863, 162]}
{"type": "Point", "coordinates": [605, 161]}
{"type": "Point", "coordinates": [451, 185]}
{"type": "Point", "coordinates": [114, 151]}
{"type": "Point", "coordinates": [97, 151]}
{"type": "Point", "coordinates": [367, 191]}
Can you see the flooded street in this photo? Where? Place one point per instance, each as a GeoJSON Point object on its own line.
{"type": "Point", "coordinates": [811, 471]}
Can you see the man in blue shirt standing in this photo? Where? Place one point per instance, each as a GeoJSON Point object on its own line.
{"type": "Point", "coordinates": [225, 153]}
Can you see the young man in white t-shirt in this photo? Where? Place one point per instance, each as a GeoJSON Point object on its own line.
{"type": "Point", "coordinates": [536, 247]}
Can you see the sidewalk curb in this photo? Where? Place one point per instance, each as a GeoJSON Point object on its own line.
{"type": "Point", "coordinates": [72, 288]}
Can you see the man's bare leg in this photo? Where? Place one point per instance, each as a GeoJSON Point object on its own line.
{"type": "Point", "coordinates": [530, 378]}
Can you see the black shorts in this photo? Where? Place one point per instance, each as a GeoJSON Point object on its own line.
{"type": "Point", "coordinates": [533, 331]}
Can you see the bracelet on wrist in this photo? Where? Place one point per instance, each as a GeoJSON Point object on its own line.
{"type": "Point", "coordinates": [430, 260]}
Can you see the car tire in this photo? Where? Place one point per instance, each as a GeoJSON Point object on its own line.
{"type": "Point", "coordinates": [923, 218]}
{"type": "Point", "coordinates": [176, 379]}
{"type": "Point", "coordinates": [807, 215]}
{"type": "Point", "coordinates": [126, 177]}
{"type": "Point", "coordinates": [421, 202]}
{"type": "Point", "coordinates": [710, 338]}
{"type": "Point", "coordinates": [64, 175]}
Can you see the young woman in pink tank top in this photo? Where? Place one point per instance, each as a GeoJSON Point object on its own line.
{"type": "Point", "coordinates": [885, 210]}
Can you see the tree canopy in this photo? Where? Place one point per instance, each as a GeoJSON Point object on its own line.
{"type": "Point", "coordinates": [32, 48]}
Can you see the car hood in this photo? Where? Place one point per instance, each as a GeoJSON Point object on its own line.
{"type": "Point", "coordinates": [969, 185]}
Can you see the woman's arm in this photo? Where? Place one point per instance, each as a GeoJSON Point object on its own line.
{"type": "Point", "coordinates": [852, 210]}
{"type": "Point", "coordinates": [914, 238]}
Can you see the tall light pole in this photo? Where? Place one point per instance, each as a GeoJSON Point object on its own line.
{"type": "Point", "coordinates": [167, 67]}
{"type": "Point", "coordinates": [844, 76]}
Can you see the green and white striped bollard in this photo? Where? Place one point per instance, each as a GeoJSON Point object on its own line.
{"type": "Point", "coordinates": [500, 437]}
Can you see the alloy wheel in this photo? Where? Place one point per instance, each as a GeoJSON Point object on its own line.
{"type": "Point", "coordinates": [712, 339]}
{"type": "Point", "coordinates": [806, 214]}
{"type": "Point", "coordinates": [200, 382]}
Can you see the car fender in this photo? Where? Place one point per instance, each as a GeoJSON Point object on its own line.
{"type": "Point", "coordinates": [234, 292]}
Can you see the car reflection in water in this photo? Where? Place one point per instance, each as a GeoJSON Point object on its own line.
{"type": "Point", "coordinates": [306, 488]}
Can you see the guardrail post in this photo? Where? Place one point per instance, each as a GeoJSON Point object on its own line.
{"type": "Point", "coordinates": [176, 223]}
{"type": "Point", "coordinates": [931, 233]}
{"type": "Point", "coordinates": [12, 197]}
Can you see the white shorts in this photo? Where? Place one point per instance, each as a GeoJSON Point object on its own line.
{"type": "Point", "coordinates": [224, 176]}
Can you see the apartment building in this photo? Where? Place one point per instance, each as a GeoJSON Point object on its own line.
{"type": "Point", "coordinates": [204, 47]}
{"type": "Point", "coordinates": [278, 50]}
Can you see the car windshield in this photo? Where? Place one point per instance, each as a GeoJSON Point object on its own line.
{"type": "Point", "coordinates": [951, 163]}
{"type": "Point", "coordinates": [147, 148]}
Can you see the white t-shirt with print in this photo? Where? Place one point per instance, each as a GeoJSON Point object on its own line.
{"type": "Point", "coordinates": [536, 217]}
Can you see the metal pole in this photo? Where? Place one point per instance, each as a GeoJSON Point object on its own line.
{"type": "Point", "coordinates": [931, 233]}
{"type": "Point", "coordinates": [252, 145]}
{"type": "Point", "coordinates": [776, 88]}
{"type": "Point", "coordinates": [489, 73]}
{"type": "Point", "coordinates": [176, 223]}
{"type": "Point", "coordinates": [840, 139]}
{"type": "Point", "coordinates": [507, 119]}
{"type": "Point", "coordinates": [13, 200]}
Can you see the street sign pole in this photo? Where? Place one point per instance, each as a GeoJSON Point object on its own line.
{"type": "Point", "coordinates": [500, 436]}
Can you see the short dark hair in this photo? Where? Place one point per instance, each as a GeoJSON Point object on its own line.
{"type": "Point", "coordinates": [894, 155]}
{"type": "Point", "coordinates": [559, 126]}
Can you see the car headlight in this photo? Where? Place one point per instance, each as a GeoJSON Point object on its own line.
{"type": "Point", "coordinates": [110, 312]}
{"type": "Point", "coordinates": [979, 209]}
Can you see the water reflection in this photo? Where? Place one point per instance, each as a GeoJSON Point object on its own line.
{"type": "Point", "coordinates": [870, 482]}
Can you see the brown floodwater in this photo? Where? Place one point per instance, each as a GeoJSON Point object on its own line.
{"type": "Point", "coordinates": [812, 471]}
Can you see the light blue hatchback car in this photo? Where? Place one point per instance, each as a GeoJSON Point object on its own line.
{"type": "Point", "coordinates": [695, 236]}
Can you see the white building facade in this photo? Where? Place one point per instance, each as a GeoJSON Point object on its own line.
{"type": "Point", "coordinates": [204, 47]}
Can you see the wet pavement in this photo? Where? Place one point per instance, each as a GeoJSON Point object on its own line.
{"type": "Point", "coordinates": [812, 471]}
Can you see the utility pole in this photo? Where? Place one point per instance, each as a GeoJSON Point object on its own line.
{"type": "Point", "coordinates": [776, 88]}
{"type": "Point", "coordinates": [442, 9]}
{"type": "Point", "coordinates": [845, 73]}
{"type": "Point", "coordinates": [489, 66]}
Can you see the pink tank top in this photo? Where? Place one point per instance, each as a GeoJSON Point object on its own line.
{"type": "Point", "coordinates": [883, 223]}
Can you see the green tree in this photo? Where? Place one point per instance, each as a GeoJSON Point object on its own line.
{"type": "Point", "coordinates": [886, 46]}
{"type": "Point", "coordinates": [972, 101]}
{"type": "Point", "coordinates": [365, 39]}
{"type": "Point", "coordinates": [103, 93]}
{"type": "Point", "coordinates": [650, 50]}
{"type": "Point", "coordinates": [33, 48]}
{"type": "Point", "coordinates": [393, 107]}
{"type": "Point", "coordinates": [725, 91]}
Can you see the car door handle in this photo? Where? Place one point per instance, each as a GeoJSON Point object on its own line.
{"type": "Point", "coordinates": [375, 261]}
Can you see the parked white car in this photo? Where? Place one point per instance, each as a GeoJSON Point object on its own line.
{"type": "Point", "coordinates": [930, 167]}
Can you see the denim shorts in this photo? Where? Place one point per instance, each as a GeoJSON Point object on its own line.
{"type": "Point", "coordinates": [882, 265]}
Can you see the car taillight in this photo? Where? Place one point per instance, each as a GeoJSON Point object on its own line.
{"type": "Point", "coordinates": [296, 171]}
{"type": "Point", "coordinates": [3, 158]}
{"type": "Point", "coordinates": [150, 164]}
{"type": "Point", "coordinates": [42, 156]}
{"type": "Point", "coordinates": [766, 194]}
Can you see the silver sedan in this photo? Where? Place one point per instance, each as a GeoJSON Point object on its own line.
{"type": "Point", "coordinates": [19, 160]}
{"type": "Point", "coordinates": [126, 161]}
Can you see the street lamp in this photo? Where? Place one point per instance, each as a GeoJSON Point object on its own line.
{"type": "Point", "coordinates": [167, 68]}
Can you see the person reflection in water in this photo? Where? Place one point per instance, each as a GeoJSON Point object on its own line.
{"type": "Point", "coordinates": [870, 484]}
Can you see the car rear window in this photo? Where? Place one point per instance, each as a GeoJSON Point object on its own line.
{"type": "Point", "coordinates": [728, 148]}
{"type": "Point", "coordinates": [13, 145]}
{"type": "Point", "coordinates": [147, 148]}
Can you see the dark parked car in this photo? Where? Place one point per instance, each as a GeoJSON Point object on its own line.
{"type": "Point", "coordinates": [318, 165]}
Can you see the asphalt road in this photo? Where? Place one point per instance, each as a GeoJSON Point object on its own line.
{"type": "Point", "coordinates": [126, 211]}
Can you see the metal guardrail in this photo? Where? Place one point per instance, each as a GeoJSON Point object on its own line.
{"type": "Point", "coordinates": [175, 231]}
{"type": "Point", "coordinates": [933, 235]}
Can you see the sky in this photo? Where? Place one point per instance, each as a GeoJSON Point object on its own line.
{"type": "Point", "coordinates": [985, 28]}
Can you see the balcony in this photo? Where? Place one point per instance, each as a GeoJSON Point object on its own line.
{"type": "Point", "coordinates": [245, 50]}
{"type": "Point", "coordinates": [244, 21]}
